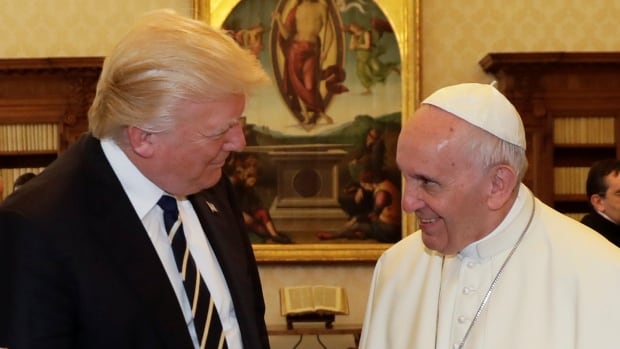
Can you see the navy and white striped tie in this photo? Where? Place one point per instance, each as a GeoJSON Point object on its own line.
{"type": "Point", "coordinates": [206, 319]}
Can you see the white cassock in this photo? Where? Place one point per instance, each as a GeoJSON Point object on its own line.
{"type": "Point", "coordinates": [559, 290]}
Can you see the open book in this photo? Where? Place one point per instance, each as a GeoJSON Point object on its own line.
{"type": "Point", "coordinates": [315, 299]}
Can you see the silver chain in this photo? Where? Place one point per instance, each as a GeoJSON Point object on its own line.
{"type": "Point", "coordinates": [487, 296]}
{"type": "Point", "coordinates": [485, 300]}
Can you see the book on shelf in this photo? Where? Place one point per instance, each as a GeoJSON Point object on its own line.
{"type": "Point", "coordinates": [570, 180]}
{"type": "Point", "coordinates": [28, 137]}
{"type": "Point", "coordinates": [315, 299]}
{"type": "Point", "coordinates": [584, 130]}
{"type": "Point", "coordinates": [9, 175]}
{"type": "Point", "coordinates": [575, 215]}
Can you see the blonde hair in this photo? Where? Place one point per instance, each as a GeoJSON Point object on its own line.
{"type": "Point", "coordinates": [164, 60]}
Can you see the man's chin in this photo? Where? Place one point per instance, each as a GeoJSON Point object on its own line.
{"type": "Point", "coordinates": [430, 241]}
{"type": "Point", "coordinates": [435, 243]}
{"type": "Point", "coordinates": [212, 179]}
{"type": "Point", "coordinates": [205, 182]}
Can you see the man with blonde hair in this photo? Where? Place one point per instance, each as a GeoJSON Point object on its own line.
{"type": "Point", "coordinates": [93, 264]}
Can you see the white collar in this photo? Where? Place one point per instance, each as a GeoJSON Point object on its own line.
{"type": "Point", "coordinates": [605, 216]}
{"type": "Point", "coordinates": [507, 232]}
{"type": "Point", "coordinates": [142, 193]}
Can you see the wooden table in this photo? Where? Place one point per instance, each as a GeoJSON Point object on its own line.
{"type": "Point", "coordinates": [308, 329]}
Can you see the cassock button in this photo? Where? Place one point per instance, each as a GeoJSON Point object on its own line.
{"type": "Point", "coordinates": [471, 265]}
{"type": "Point", "coordinates": [461, 319]}
{"type": "Point", "coordinates": [467, 290]}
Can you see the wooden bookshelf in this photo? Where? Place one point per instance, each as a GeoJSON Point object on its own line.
{"type": "Point", "coordinates": [43, 109]}
{"type": "Point", "coordinates": [570, 105]}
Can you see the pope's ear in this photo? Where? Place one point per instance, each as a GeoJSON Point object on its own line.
{"type": "Point", "coordinates": [503, 183]}
{"type": "Point", "coordinates": [140, 141]}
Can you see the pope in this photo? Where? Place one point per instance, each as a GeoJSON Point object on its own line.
{"type": "Point", "coordinates": [491, 265]}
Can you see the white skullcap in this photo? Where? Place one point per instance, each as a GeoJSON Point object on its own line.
{"type": "Point", "coordinates": [483, 106]}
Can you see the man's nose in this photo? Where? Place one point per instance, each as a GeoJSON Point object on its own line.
{"type": "Point", "coordinates": [412, 198]}
{"type": "Point", "coordinates": [235, 139]}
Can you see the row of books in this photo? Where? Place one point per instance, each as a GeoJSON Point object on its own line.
{"type": "Point", "coordinates": [584, 130]}
{"type": "Point", "coordinates": [28, 137]}
{"type": "Point", "coordinates": [575, 215]}
{"type": "Point", "coordinates": [570, 180]}
{"type": "Point", "coordinates": [9, 175]}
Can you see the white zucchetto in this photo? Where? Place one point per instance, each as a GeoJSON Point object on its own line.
{"type": "Point", "coordinates": [483, 106]}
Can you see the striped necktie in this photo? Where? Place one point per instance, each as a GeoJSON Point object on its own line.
{"type": "Point", "coordinates": [206, 320]}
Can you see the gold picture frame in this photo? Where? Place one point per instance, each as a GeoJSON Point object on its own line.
{"type": "Point", "coordinates": [403, 17]}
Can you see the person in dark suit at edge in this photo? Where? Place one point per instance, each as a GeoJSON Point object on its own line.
{"type": "Point", "coordinates": [23, 179]}
{"type": "Point", "coordinates": [603, 191]}
{"type": "Point", "coordinates": [87, 262]}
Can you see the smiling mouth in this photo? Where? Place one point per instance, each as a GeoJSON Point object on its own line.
{"type": "Point", "coordinates": [427, 220]}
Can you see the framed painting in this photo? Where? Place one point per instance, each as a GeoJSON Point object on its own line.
{"type": "Point", "coordinates": [317, 181]}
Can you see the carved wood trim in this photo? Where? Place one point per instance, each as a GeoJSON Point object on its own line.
{"type": "Point", "coordinates": [546, 85]}
{"type": "Point", "coordinates": [49, 90]}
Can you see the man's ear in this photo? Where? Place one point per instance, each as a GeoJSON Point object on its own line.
{"type": "Point", "coordinates": [597, 202]}
{"type": "Point", "coordinates": [503, 183]}
{"type": "Point", "coordinates": [140, 141]}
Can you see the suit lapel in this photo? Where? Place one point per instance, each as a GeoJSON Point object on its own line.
{"type": "Point", "coordinates": [233, 250]}
{"type": "Point", "coordinates": [221, 227]}
{"type": "Point", "coordinates": [119, 230]}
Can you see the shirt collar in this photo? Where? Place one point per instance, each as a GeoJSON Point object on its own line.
{"type": "Point", "coordinates": [605, 216]}
{"type": "Point", "coordinates": [142, 193]}
{"type": "Point", "coordinates": [507, 232]}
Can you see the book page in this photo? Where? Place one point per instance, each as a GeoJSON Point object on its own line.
{"type": "Point", "coordinates": [296, 300]}
{"type": "Point", "coordinates": [313, 299]}
{"type": "Point", "coordinates": [331, 298]}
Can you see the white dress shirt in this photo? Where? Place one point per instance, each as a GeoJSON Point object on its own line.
{"type": "Point", "coordinates": [144, 195]}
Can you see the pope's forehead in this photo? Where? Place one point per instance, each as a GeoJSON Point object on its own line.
{"type": "Point", "coordinates": [431, 119]}
{"type": "Point", "coordinates": [433, 132]}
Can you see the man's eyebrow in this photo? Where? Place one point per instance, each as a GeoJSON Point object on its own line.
{"type": "Point", "coordinates": [223, 129]}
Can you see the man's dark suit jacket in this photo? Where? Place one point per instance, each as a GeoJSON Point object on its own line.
{"type": "Point", "coordinates": [87, 274]}
{"type": "Point", "coordinates": [603, 226]}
